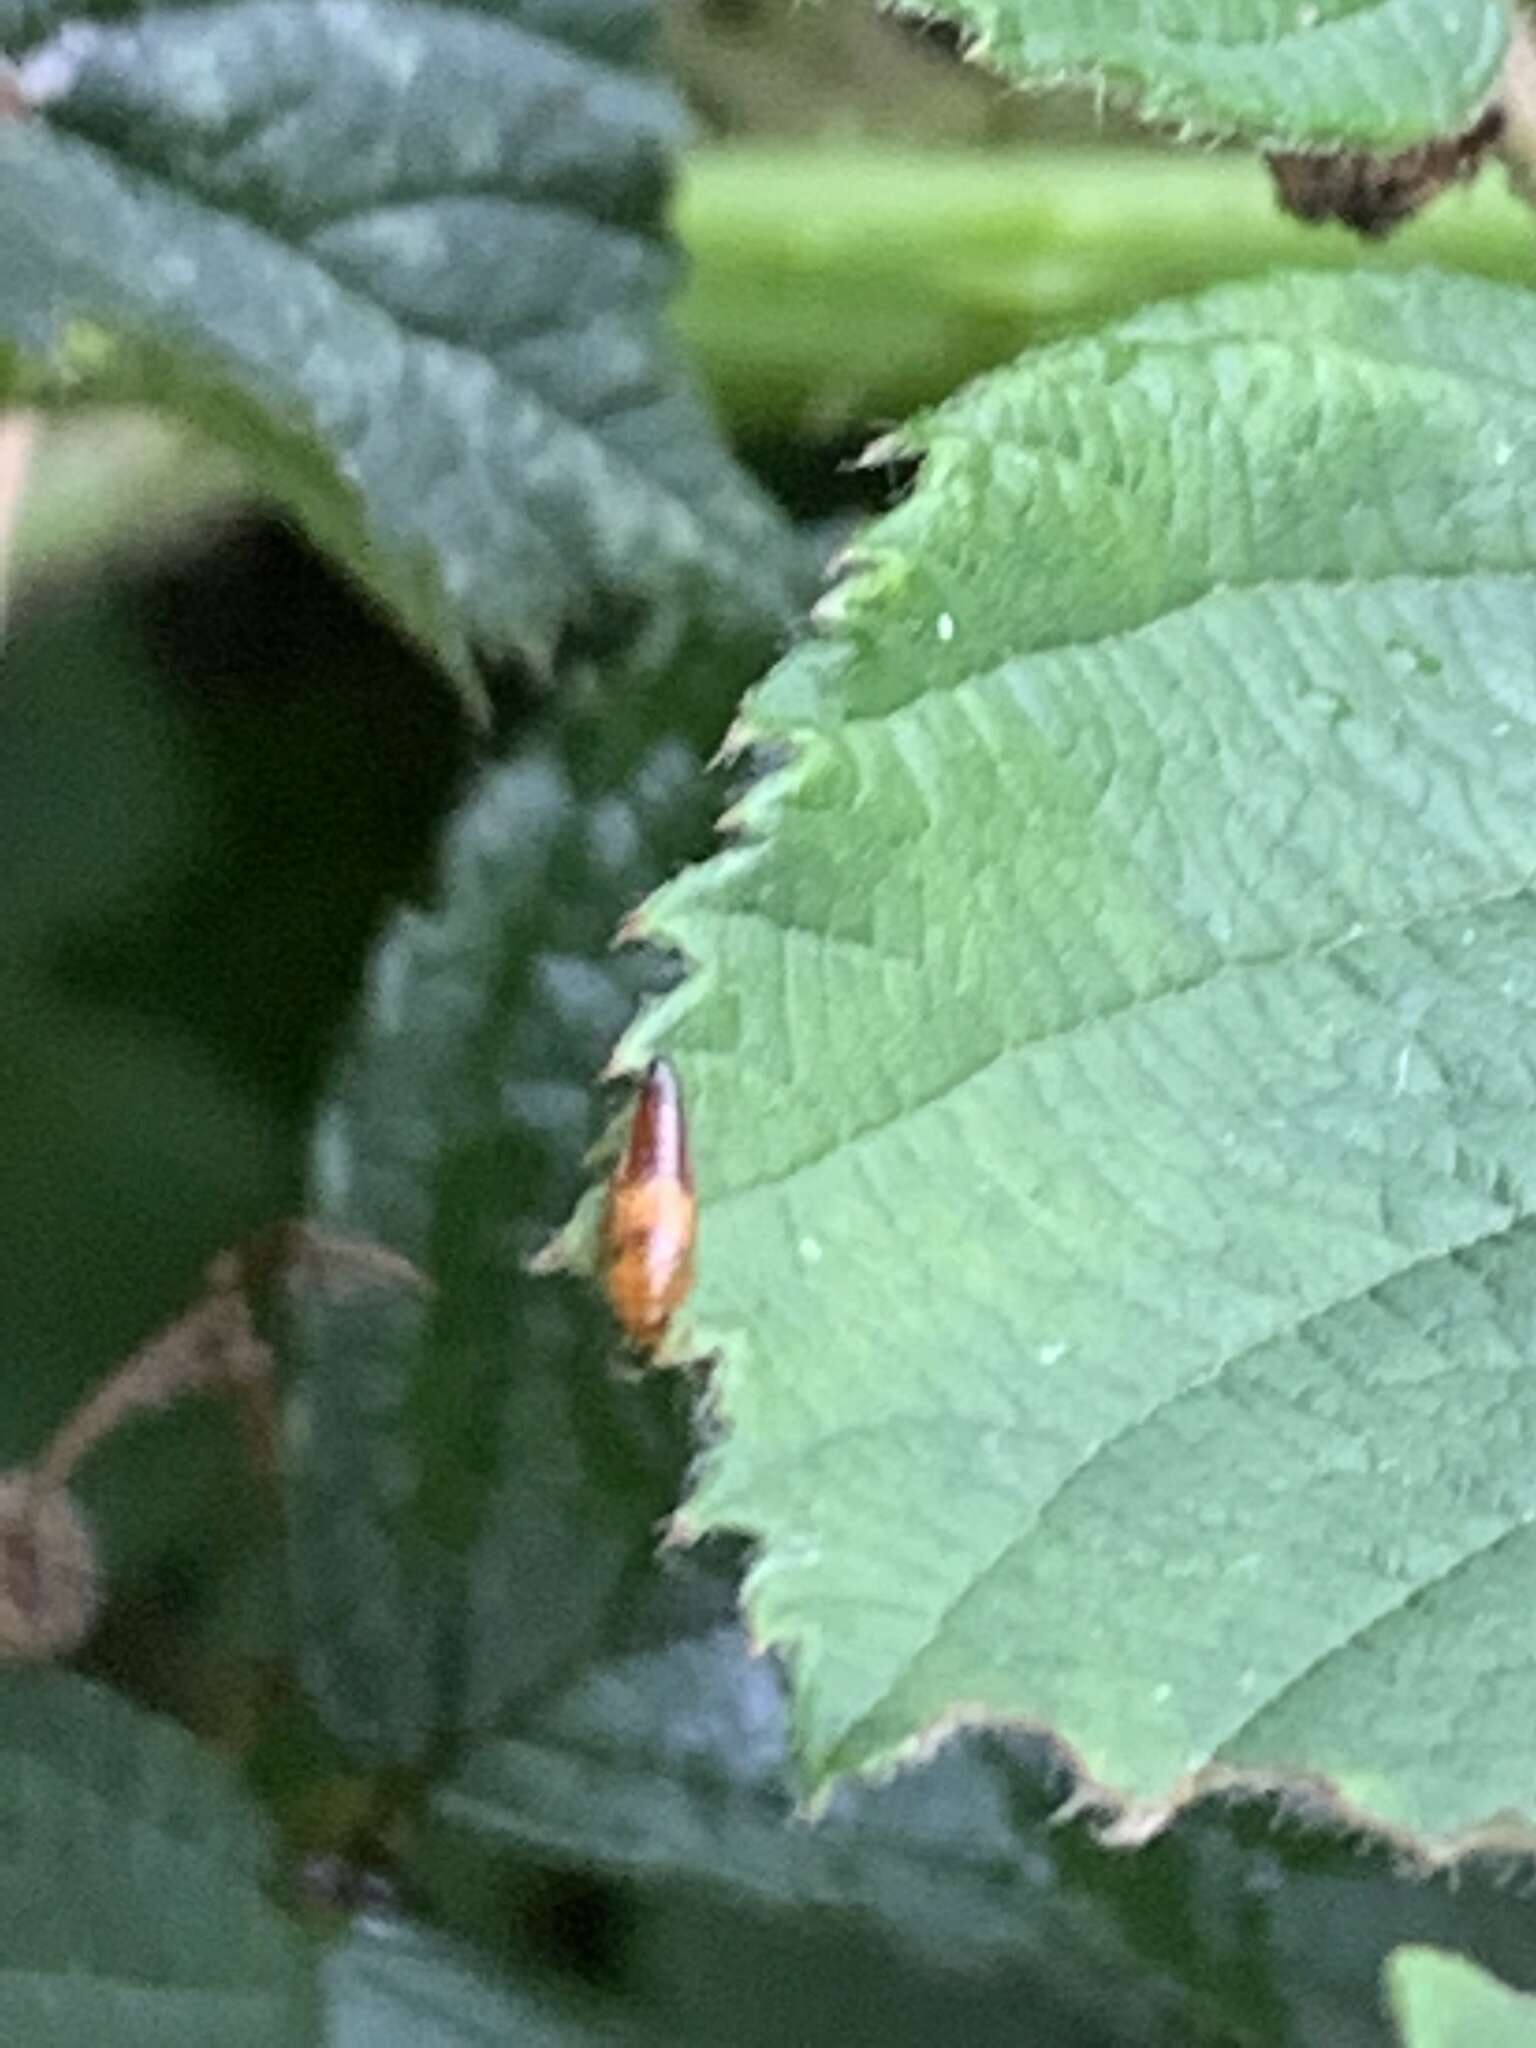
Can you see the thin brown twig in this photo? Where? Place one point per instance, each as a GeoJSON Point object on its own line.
{"type": "Point", "coordinates": [215, 1346]}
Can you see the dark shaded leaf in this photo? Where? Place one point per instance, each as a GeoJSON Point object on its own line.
{"type": "Point", "coordinates": [407, 261]}
{"type": "Point", "coordinates": [131, 1888]}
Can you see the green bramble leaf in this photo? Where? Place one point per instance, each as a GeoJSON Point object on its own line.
{"type": "Point", "coordinates": [1377, 76]}
{"type": "Point", "coordinates": [407, 261]}
{"type": "Point", "coordinates": [1112, 1062]}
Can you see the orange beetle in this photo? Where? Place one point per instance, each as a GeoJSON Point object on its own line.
{"type": "Point", "coordinates": [649, 1222]}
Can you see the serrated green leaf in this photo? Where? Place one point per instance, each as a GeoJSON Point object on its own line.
{"type": "Point", "coordinates": [131, 1889]}
{"type": "Point", "coordinates": [1379, 74]}
{"type": "Point", "coordinates": [940, 1904]}
{"type": "Point", "coordinates": [1111, 1068]}
{"type": "Point", "coordinates": [407, 261]}
{"type": "Point", "coordinates": [472, 1481]}
{"type": "Point", "coordinates": [936, 1901]}
{"type": "Point", "coordinates": [1445, 2001]}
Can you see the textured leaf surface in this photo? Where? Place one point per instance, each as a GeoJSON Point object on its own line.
{"type": "Point", "coordinates": [928, 1908]}
{"type": "Point", "coordinates": [1113, 1069]}
{"type": "Point", "coordinates": [392, 1986]}
{"type": "Point", "coordinates": [1377, 73]}
{"type": "Point", "coordinates": [473, 1483]}
{"type": "Point", "coordinates": [132, 1885]}
{"type": "Point", "coordinates": [407, 260]}
{"type": "Point", "coordinates": [1444, 2001]}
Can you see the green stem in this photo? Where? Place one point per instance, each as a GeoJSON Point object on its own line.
{"type": "Point", "coordinates": [842, 288]}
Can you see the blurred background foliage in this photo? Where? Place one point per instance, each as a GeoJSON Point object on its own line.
{"type": "Point", "coordinates": [219, 772]}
